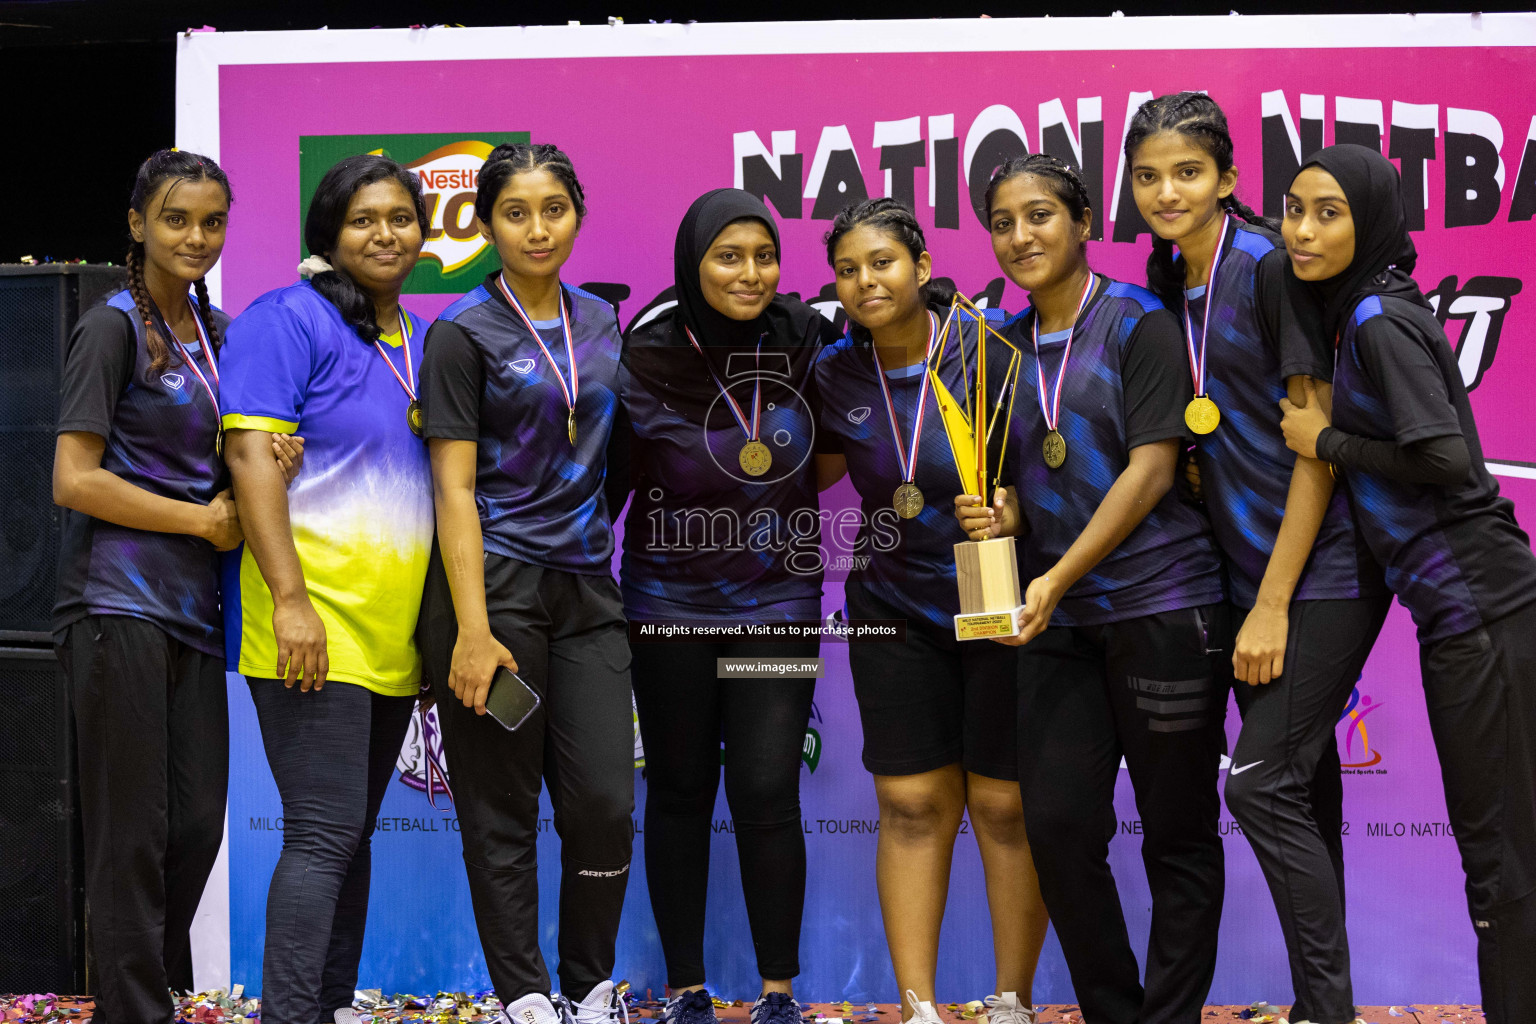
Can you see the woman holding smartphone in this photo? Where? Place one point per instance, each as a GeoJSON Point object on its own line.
{"type": "Point", "coordinates": [520, 384]}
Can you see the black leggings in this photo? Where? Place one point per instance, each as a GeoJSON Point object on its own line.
{"type": "Point", "coordinates": [152, 716]}
{"type": "Point", "coordinates": [1480, 691]}
{"type": "Point", "coordinates": [566, 631]}
{"type": "Point", "coordinates": [1285, 790]}
{"type": "Point", "coordinates": [1149, 689]}
{"type": "Point", "coordinates": [685, 711]}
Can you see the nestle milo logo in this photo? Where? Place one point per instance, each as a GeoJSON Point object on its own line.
{"type": "Point", "coordinates": [454, 257]}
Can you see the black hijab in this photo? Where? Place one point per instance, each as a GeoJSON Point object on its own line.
{"type": "Point", "coordinates": [658, 355]}
{"type": "Point", "coordinates": [1384, 253]}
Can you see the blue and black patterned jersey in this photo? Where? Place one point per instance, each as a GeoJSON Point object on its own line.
{"type": "Point", "coordinates": [485, 379]}
{"type": "Point", "coordinates": [160, 430]}
{"type": "Point", "coordinates": [911, 561]}
{"type": "Point", "coordinates": [705, 540]}
{"type": "Point", "coordinates": [1245, 467]}
{"type": "Point", "coordinates": [1126, 385]}
{"type": "Point", "coordinates": [1454, 556]}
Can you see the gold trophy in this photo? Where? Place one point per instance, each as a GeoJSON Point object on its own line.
{"type": "Point", "coordinates": [986, 571]}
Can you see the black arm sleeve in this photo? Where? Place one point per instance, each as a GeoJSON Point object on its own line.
{"type": "Point", "coordinates": [1442, 460]}
{"type": "Point", "coordinates": [1291, 321]}
{"type": "Point", "coordinates": [97, 369]}
{"type": "Point", "coordinates": [1154, 372]}
{"type": "Point", "coordinates": [452, 380]}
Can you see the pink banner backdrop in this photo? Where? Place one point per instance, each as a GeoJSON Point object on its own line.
{"type": "Point", "coordinates": [811, 131]}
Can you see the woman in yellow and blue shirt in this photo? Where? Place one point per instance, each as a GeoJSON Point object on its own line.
{"type": "Point", "coordinates": [330, 580]}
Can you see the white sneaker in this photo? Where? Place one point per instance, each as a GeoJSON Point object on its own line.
{"type": "Point", "coordinates": [533, 1008]}
{"type": "Point", "coordinates": [1005, 1009]}
{"type": "Point", "coordinates": [347, 1015]}
{"type": "Point", "coordinates": [601, 1006]}
{"type": "Point", "coordinates": [922, 1011]}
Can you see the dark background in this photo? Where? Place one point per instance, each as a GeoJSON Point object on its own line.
{"type": "Point", "coordinates": [90, 84]}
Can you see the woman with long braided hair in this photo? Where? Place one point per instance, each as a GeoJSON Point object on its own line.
{"type": "Point", "coordinates": [1307, 599]}
{"type": "Point", "coordinates": [137, 621]}
{"type": "Point", "coordinates": [1124, 602]}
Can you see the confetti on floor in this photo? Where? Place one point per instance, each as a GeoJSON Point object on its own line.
{"type": "Point", "coordinates": [374, 1005]}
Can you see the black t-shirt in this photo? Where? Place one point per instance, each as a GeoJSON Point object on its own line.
{"type": "Point", "coordinates": [160, 429]}
{"type": "Point", "coordinates": [1455, 556]}
{"type": "Point", "coordinates": [484, 378]}
{"type": "Point", "coordinates": [1245, 467]}
{"type": "Point", "coordinates": [1126, 385]}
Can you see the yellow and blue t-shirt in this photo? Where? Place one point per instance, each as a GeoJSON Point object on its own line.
{"type": "Point", "coordinates": [361, 507]}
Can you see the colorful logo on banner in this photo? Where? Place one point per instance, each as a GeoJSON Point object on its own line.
{"type": "Point", "coordinates": [1357, 738]}
{"type": "Point", "coordinates": [454, 257]}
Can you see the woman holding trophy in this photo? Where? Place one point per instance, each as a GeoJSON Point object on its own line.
{"type": "Point", "coordinates": [938, 715]}
{"type": "Point", "coordinates": [1123, 616]}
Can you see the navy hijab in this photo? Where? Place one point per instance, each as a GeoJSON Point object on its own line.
{"type": "Point", "coordinates": [1384, 253]}
{"type": "Point", "coordinates": [662, 360]}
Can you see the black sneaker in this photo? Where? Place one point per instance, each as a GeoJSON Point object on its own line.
{"type": "Point", "coordinates": [776, 1008]}
{"type": "Point", "coordinates": [690, 1008]}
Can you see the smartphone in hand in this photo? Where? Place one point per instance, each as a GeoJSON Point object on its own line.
{"type": "Point", "coordinates": [511, 700]}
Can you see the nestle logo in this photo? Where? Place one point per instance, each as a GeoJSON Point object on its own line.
{"type": "Point", "coordinates": [446, 178]}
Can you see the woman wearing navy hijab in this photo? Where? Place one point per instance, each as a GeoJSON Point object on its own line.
{"type": "Point", "coordinates": [718, 397]}
{"type": "Point", "coordinates": [1401, 437]}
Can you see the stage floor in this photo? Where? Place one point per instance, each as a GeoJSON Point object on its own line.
{"type": "Point", "coordinates": [219, 1009]}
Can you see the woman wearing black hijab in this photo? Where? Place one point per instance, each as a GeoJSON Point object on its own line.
{"type": "Point", "coordinates": [1404, 444]}
{"type": "Point", "coordinates": [723, 532]}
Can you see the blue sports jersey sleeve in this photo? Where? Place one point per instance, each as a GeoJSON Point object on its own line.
{"type": "Point", "coordinates": [267, 364]}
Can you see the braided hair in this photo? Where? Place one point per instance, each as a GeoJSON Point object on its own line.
{"type": "Point", "coordinates": [894, 218]}
{"type": "Point", "coordinates": [1197, 117]}
{"type": "Point", "coordinates": [162, 166]}
{"type": "Point", "coordinates": [509, 160]}
{"type": "Point", "coordinates": [327, 215]}
{"type": "Point", "coordinates": [1064, 182]}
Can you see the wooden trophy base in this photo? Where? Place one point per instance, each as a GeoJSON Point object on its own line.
{"type": "Point", "coordinates": [987, 572]}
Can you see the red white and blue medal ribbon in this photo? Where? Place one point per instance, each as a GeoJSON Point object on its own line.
{"type": "Point", "coordinates": [213, 367]}
{"type": "Point", "coordinates": [906, 454]}
{"type": "Point", "coordinates": [571, 391]}
{"type": "Point", "coordinates": [749, 427]}
{"type": "Point", "coordinates": [408, 382]}
{"type": "Point", "coordinates": [1197, 361]}
{"type": "Point", "coordinates": [1050, 402]}
{"type": "Point", "coordinates": [413, 417]}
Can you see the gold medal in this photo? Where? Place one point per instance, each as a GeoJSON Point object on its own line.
{"type": "Point", "coordinates": [755, 458]}
{"type": "Point", "coordinates": [413, 417]}
{"type": "Point", "coordinates": [907, 501]}
{"type": "Point", "coordinates": [570, 427]}
{"type": "Point", "coordinates": [1054, 449]}
{"type": "Point", "coordinates": [1201, 415]}
{"type": "Point", "coordinates": [218, 443]}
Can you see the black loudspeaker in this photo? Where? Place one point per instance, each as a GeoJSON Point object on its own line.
{"type": "Point", "coordinates": [42, 902]}
{"type": "Point", "coordinates": [38, 309]}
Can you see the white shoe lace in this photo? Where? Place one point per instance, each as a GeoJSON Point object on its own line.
{"type": "Point", "coordinates": [615, 1012]}
{"type": "Point", "coordinates": [922, 1010]}
{"type": "Point", "coordinates": [1005, 1009]}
